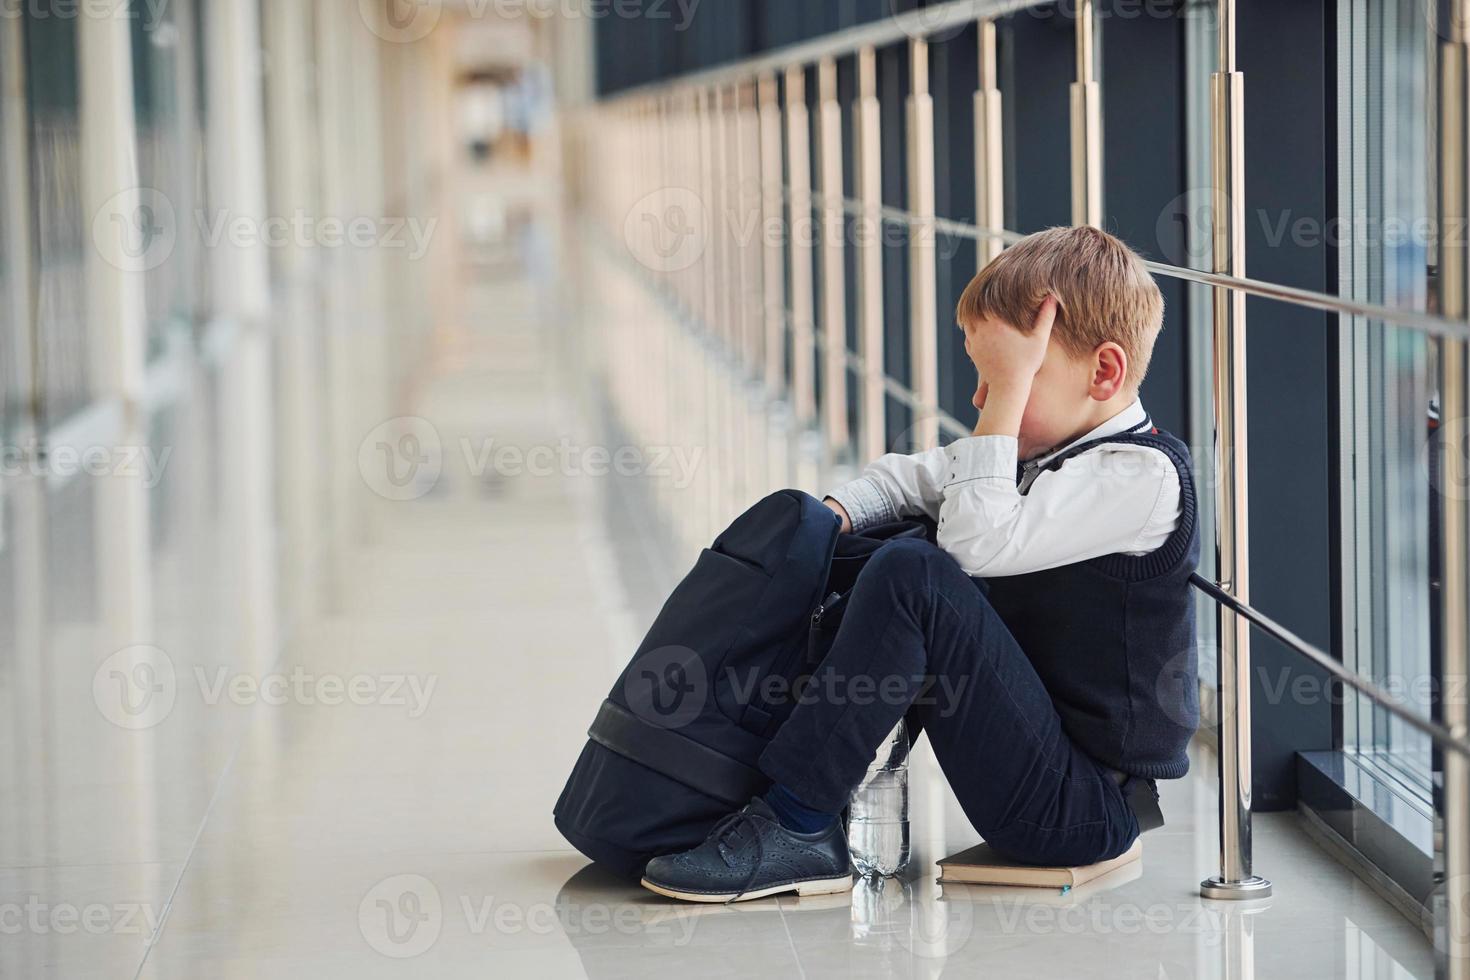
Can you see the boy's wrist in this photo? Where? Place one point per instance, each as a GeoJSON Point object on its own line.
{"type": "Point", "coordinates": [1011, 385]}
{"type": "Point", "coordinates": [837, 508]}
{"type": "Point", "coordinates": [1005, 403]}
{"type": "Point", "coordinates": [863, 502]}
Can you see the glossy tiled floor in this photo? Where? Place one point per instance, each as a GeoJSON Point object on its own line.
{"type": "Point", "coordinates": [407, 832]}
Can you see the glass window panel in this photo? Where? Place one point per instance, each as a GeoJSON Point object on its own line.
{"type": "Point", "coordinates": [165, 97]}
{"type": "Point", "coordinates": [15, 228]}
{"type": "Point", "coordinates": [1193, 210]}
{"type": "Point", "coordinates": [61, 233]}
{"type": "Point", "coordinates": [1385, 373]}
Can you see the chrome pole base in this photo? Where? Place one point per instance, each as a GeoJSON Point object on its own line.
{"type": "Point", "coordinates": [1235, 891]}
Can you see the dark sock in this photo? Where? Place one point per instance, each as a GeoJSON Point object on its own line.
{"type": "Point", "coordinates": [795, 815]}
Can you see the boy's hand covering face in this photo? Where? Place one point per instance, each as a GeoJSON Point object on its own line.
{"type": "Point", "coordinates": [1003, 354]}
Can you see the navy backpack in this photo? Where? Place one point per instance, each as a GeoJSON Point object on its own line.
{"type": "Point", "coordinates": [674, 745]}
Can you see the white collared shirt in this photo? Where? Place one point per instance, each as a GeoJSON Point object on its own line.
{"type": "Point", "coordinates": [1111, 499]}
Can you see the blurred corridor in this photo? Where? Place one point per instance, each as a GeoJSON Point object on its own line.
{"type": "Point", "coordinates": [354, 434]}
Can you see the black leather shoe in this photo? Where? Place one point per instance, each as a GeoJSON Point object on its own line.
{"type": "Point", "coordinates": [750, 855]}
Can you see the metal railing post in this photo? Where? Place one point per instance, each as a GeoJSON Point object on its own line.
{"type": "Point", "coordinates": [670, 176]}
{"type": "Point", "coordinates": [923, 277]}
{"type": "Point", "coordinates": [694, 387]}
{"type": "Point", "coordinates": [989, 164]}
{"type": "Point", "coordinates": [834, 290]}
{"type": "Point", "coordinates": [1235, 880]}
{"type": "Point", "coordinates": [799, 232]}
{"type": "Point", "coordinates": [686, 176]}
{"type": "Point", "coordinates": [749, 225]}
{"type": "Point", "coordinates": [750, 230]}
{"type": "Point", "coordinates": [728, 498]}
{"type": "Point", "coordinates": [1086, 123]}
{"type": "Point", "coordinates": [774, 236]}
{"type": "Point", "coordinates": [729, 223]}
{"type": "Point", "coordinates": [867, 144]}
{"type": "Point", "coordinates": [704, 157]}
{"type": "Point", "coordinates": [1452, 855]}
{"type": "Point", "coordinates": [773, 279]}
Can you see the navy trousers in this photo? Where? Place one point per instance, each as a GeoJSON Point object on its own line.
{"type": "Point", "coordinates": [920, 641]}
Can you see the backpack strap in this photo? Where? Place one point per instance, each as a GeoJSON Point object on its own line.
{"type": "Point", "coordinates": [664, 751]}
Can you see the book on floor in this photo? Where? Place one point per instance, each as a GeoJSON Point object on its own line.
{"type": "Point", "coordinates": [981, 865]}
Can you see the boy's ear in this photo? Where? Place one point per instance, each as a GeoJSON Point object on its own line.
{"type": "Point", "coordinates": [1109, 370]}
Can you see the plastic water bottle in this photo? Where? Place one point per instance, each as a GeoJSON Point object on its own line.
{"type": "Point", "coordinates": [878, 816]}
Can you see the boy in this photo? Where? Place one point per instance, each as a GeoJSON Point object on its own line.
{"type": "Point", "coordinates": [1052, 630]}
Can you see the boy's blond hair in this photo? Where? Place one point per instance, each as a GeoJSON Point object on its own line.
{"type": "Point", "coordinates": [1103, 293]}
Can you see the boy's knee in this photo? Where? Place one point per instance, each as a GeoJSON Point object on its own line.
{"type": "Point", "coordinates": [907, 559]}
{"type": "Point", "coordinates": [913, 566]}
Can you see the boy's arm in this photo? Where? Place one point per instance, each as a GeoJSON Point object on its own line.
{"type": "Point", "coordinates": [892, 486]}
{"type": "Point", "coordinates": [895, 485]}
{"type": "Point", "coordinates": [1098, 503]}
{"type": "Point", "coordinates": [1112, 500]}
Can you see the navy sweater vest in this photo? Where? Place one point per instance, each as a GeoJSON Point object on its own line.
{"type": "Point", "coordinates": [1113, 637]}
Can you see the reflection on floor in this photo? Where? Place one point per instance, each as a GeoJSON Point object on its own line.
{"type": "Point", "coordinates": [391, 815]}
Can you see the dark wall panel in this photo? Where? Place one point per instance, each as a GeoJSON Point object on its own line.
{"type": "Point", "coordinates": [1037, 63]}
{"type": "Point", "coordinates": [1286, 51]}
{"type": "Point", "coordinates": [954, 74]}
{"type": "Point", "coordinates": [893, 90]}
{"type": "Point", "coordinates": [670, 39]}
{"type": "Point", "coordinates": [1142, 70]}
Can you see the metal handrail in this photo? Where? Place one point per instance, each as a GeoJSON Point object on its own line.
{"type": "Point", "coordinates": [1321, 658]}
{"type": "Point", "coordinates": [957, 13]}
{"type": "Point", "coordinates": [924, 22]}
{"type": "Point", "coordinates": [1419, 320]}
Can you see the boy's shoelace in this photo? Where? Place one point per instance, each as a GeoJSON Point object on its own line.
{"type": "Point", "coordinates": [732, 825]}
